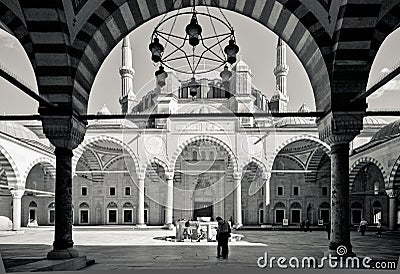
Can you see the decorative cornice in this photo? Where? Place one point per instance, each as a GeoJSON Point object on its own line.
{"type": "Point", "coordinates": [340, 127]}
{"type": "Point", "coordinates": [64, 131]}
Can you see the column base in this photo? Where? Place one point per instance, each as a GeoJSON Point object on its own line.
{"type": "Point", "coordinates": [168, 226]}
{"type": "Point", "coordinates": [62, 254]}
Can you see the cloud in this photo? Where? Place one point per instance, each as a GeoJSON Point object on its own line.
{"type": "Point", "coordinates": [7, 41]}
{"type": "Point", "coordinates": [391, 86]}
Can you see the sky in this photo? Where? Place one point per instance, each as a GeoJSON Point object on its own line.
{"type": "Point", "coordinates": [257, 48]}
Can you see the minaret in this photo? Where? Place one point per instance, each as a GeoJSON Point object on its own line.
{"type": "Point", "coordinates": [280, 98]}
{"type": "Point", "coordinates": [128, 97]}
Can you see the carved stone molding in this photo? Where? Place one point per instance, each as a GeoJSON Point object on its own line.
{"type": "Point", "coordinates": [340, 127]}
{"type": "Point", "coordinates": [64, 131]}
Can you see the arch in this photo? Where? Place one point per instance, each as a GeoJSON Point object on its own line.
{"type": "Point", "coordinates": [295, 205]}
{"type": "Point", "coordinates": [157, 161]}
{"type": "Point", "coordinates": [78, 152]}
{"type": "Point", "coordinates": [32, 204]}
{"type": "Point", "coordinates": [257, 162]}
{"type": "Point", "coordinates": [116, 159]}
{"type": "Point", "coordinates": [84, 205]}
{"type": "Point", "coordinates": [293, 139]}
{"type": "Point", "coordinates": [213, 139]}
{"type": "Point", "coordinates": [49, 165]}
{"type": "Point", "coordinates": [393, 183]}
{"type": "Point", "coordinates": [314, 163]}
{"type": "Point", "coordinates": [356, 205]}
{"type": "Point", "coordinates": [360, 163]}
{"type": "Point", "coordinates": [127, 205]}
{"type": "Point", "coordinates": [112, 205]}
{"type": "Point", "coordinates": [324, 205]}
{"type": "Point", "coordinates": [10, 169]}
{"type": "Point", "coordinates": [111, 22]}
{"type": "Point", "coordinates": [377, 204]}
{"type": "Point", "coordinates": [280, 205]}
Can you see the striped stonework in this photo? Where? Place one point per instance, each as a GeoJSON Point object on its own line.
{"type": "Point", "coordinates": [362, 162]}
{"type": "Point", "coordinates": [394, 177]}
{"type": "Point", "coordinates": [114, 19]}
{"type": "Point", "coordinates": [10, 169]}
{"type": "Point", "coordinates": [314, 164]}
{"type": "Point", "coordinates": [78, 152]}
{"type": "Point", "coordinates": [48, 164]}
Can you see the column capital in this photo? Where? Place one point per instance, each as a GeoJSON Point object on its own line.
{"type": "Point", "coordinates": [141, 175]}
{"type": "Point", "coordinates": [392, 193]}
{"type": "Point", "coordinates": [169, 175]}
{"type": "Point", "coordinates": [65, 131]}
{"type": "Point", "coordinates": [17, 193]}
{"type": "Point", "coordinates": [237, 176]}
{"type": "Point", "coordinates": [340, 127]}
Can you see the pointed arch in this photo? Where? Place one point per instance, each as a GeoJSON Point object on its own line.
{"type": "Point", "coordinates": [209, 138]}
{"type": "Point", "coordinates": [48, 164]}
{"type": "Point", "coordinates": [10, 169]}
{"type": "Point", "coordinates": [360, 163]}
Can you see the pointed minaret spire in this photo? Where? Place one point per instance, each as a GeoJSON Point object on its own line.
{"type": "Point", "coordinates": [280, 99]}
{"type": "Point", "coordinates": [127, 72]}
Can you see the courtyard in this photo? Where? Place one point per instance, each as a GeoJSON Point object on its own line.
{"type": "Point", "coordinates": [116, 248]}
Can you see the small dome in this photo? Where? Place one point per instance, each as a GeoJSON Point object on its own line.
{"type": "Point", "coordinates": [293, 121]}
{"type": "Point", "coordinates": [304, 108]}
{"type": "Point", "coordinates": [374, 121]}
{"type": "Point", "coordinates": [18, 131]}
{"type": "Point", "coordinates": [387, 132]}
{"type": "Point", "coordinates": [104, 110]}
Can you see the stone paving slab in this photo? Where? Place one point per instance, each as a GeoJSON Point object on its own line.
{"type": "Point", "coordinates": [128, 249]}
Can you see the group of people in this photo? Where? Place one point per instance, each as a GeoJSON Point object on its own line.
{"type": "Point", "coordinates": [363, 227]}
{"type": "Point", "coordinates": [223, 235]}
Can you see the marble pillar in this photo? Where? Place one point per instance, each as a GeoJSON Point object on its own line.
{"type": "Point", "coordinates": [237, 177]}
{"type": "Point", "coordinates": [140, 208]}
{"type": "Point", "coordinates": [170, 200]}
{"type": "Point", "coordinates": [16, 216]}
{"type": "Point", "coordinates": [392, 208]}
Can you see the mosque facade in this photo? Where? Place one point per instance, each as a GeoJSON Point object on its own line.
{"type": "Point", "coordinates": [253, 170]}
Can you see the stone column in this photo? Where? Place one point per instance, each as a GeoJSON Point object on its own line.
{"type": "Point", "coordinates": [170, 200]}
{"type": "Point", "coordinates": [237, 177]}
{"type": "Point", "coordinates": [338, 129]}
{"type": "Point", "coordinates": [392, 208]}
{"type": "Point", "coordinates": [140, 208]}
{"type": "Point", "coordinates": [16, 217]}
{"type": "Point", "coordinates": [65, 133]}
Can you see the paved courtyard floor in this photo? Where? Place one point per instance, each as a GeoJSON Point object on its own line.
{"type": "Point", "coordinates": [121, 248]}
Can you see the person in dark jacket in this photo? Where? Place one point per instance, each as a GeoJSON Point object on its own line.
{"type": "Point", "coordinates": [223, 234]}
{"type": "Point", "coordinates": [328, 229]}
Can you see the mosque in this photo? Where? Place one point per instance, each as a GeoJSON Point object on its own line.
{"type": "Point", "coordinates": [254, 171]}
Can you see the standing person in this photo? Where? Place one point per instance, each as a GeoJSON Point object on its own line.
{"type": "Point", "coordinates": [328, 229]}
{"type": "Point", "coordinates": [223, 234]}
{"type": "Point", "coordinates": [308, 226]}
{"type": "Point", "coordinates": [363, 226]}
{"type": "Point", "coordinates": [302, 225]}
{"type": "Point", "coordinates": [379, 226]}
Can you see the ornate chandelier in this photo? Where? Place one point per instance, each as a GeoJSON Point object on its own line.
{"type": "Point", "coordinates": [188, 50]}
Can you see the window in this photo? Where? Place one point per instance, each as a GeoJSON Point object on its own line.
{"type": "Point", "coordinates": [84, 216]}
{"type": "Point", "coordinates": [128, 191]}
{"type": "Point", "coordinates": [295, 190]}
{"type": "Point", "coordinates": [84, 191]}
{"type": "Point", "coordinates": [376, 188]}
{"type": "Point", "coordinates": [112, 191]}
{"type": "Point", "coordinates": [280, 190]}
{"type": "Point", "coordinates": [324, 191]}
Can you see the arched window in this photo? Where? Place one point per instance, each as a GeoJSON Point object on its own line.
{"type": "Point", "coordinates": [377, 204]}
{"type": "Point", "coordinates": [203, 155]}
{"type": "Point", "coordinates": [32, 204]}
{"type": "Point", "coordinates": [280, 205]}
{"type": "Point", "coordinates": [84, 205]}
{"type": "Point", "coordinates": [295, 205]}
{"type": "Point", "coordinates": [324, 205]}
{"type": "Point", "coordinates": [211, 155]}
{"type": "Point", "coordinates": [127, 205]}
{"type": "Point", "coordinates": [112, 205]}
